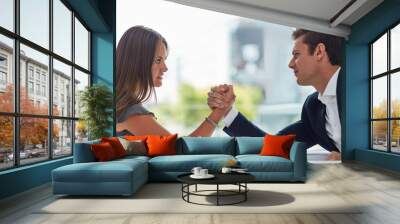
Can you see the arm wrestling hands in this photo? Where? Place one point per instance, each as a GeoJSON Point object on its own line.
{"type": "Point", "coordinates": [221, 97]}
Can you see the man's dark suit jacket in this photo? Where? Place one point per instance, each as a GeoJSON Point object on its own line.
{"type": "Point", "coordinates": [309, 129]}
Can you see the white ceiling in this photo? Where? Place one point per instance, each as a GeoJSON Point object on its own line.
{"type": "Point", "coordinates": [308, 14]}
{"type": "Point", "coordinates": [321, 9]}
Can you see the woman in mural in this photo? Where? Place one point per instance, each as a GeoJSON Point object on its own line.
{"type": "Point", "coordinates": [141, 64]}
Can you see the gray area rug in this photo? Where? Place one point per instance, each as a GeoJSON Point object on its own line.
{"type": "Point", "coordinates": [166, 198]}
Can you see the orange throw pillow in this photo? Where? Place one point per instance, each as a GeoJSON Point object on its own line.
{"type": "Point", "coordinates": [277, 145]}
{"type": "Point", "coordinates": [161, 145]}
{"type": "Point", "coordinates": [116, 145]}
{"type": "Point", "coordinates": [135, 137]}
{"type": "Point", "coordinates": [103, 151]}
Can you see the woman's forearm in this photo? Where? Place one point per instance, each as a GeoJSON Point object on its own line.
{"type": "Point", "coordinates": [207, 128]}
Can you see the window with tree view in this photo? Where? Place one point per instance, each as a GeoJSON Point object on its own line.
{"type": "Point", "coordinates": [385, 91]}
{"type": "Point", "coordinates": [37, 80]}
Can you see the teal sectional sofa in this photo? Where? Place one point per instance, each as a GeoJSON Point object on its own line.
{"type": "Point", "coordinates": [125, 176]}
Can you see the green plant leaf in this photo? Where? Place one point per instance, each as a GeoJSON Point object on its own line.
{"type": "Point", "coordinates": [96, 102]}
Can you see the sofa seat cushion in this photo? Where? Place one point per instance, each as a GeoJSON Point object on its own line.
{"type": "Point", "coordinates": [112, 171]}
{"type": "Point", "coordinates": [257, 163]}
{"type": "Point", "coordinates": [185, 163]}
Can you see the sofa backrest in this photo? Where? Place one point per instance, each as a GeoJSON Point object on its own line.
{"type": "Point", "coordinates": [190, 146]}
{"type": "Point", "coordinates": [249, 145]}
{"type": "Point", "coordinates": [83, 152]}
{"type": "Point", "coordinates": [185, 145]}
{"type": "Point", "coordinates": [206, 145]}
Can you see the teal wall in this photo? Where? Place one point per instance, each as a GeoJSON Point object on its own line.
{"type": "Point", "coordinates": [99, 16]}
{"type": "Point", "coordinates": [103, 50]}
{"type": "Point", "coordinates": [24, 178]}
{"type": "Point", "coordinates": [102, 58]}
{"type": "Point", "coordinates": [356, 126]}
{"type": "Point", "coordinates": [379, 159]}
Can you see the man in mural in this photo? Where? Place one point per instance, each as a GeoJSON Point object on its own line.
{"type": "Point", "coordinates": [316, 61]}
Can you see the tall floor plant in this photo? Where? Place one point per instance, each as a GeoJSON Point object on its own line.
{"type": "Point", "coordinates": [96, 104]}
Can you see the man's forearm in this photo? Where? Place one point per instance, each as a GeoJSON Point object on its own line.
{"type": "Point", "coordinates": [230, 116]}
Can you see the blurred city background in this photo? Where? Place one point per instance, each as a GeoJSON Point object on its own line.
{"type": "Point", "coordinates": [209, 48]}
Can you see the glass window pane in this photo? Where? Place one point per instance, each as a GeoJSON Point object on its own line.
{"type": "Point", "coordinates": [395, 47]}
{"type": "Point", "coordinates": [62, 29]}
{"type": "Point", "coordinates": [395, 136]}
{"type": "Point", "coordinates": [81, 81]}
{"type": "Point", "coordinates": [379, 55]}
{"type": "Point", "coordinates": [81, 131]}
{"type": "Point", "coordinates": [35, 21]}
{"type": "Point", "coordinates": [6, 142]}
{"type": "Point", "coordinates": [33, 140]}
{"type": "Point", "coordinates": [81, 45]}
{"type": "Point", "coordinates": [379, 97]}
{"type": "Point", "coordinates": [62, 138]}
{"type": "Point", "coordinates": [34, 97]}
{"type": "Point", "coordinates": [6, 74]}
{"type": "Point", "coordinates": [395, 94]}
{"type": "Point", "coordinates": [379, 135]}
{"type": "Point", "coordinates": [7, 14]}
{"type": "Point", "coordinates": [62, 89]}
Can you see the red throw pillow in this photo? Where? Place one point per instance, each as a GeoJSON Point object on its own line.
{"type": "Point", "coordinates": [161, 145]}
{"type": "Point", "coordinates": [103, 151]}
{"type": "Point", "coordinates": [277, 145]}
{"type": "Point", "coordinates": [116, 145]}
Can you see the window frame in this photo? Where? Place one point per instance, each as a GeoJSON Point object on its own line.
{"type": "Point", "coordinates": [3, 70]}
{"type": "Point", "coordinates": [16, 115]}
{"type": "Point", "coordinates": [388, 74]}
{"type": "Point", "coordinates": [3, 77]}
{"type": "Point", "coordinates": [5, 58]}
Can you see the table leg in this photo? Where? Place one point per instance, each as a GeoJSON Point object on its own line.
{"type": "Point", "coordinates": [217, 194]}
{"type": "Point", "coordinates": [182, 190]}
{"type": "Point", "coordinates": [245, 193]}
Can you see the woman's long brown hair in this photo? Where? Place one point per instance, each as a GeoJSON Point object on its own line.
{"type": "Point", "coordinates": [134, 59]}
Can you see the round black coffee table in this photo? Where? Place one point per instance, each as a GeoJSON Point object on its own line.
{"type": "Point", "coordinates": [238, 179]}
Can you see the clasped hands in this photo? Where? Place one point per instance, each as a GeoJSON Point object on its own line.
{"type": "Point", "coordinates": [221, 98]}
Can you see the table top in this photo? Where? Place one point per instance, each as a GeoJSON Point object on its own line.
{"type": "Point", "coordinates": [220, 178]}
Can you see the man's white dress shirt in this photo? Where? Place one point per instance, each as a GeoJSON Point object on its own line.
{"type": "Point", "coordinates": [329, 99]}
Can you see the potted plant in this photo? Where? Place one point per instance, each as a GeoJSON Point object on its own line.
{"type": "Point", "coordinates": [96, 102]}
